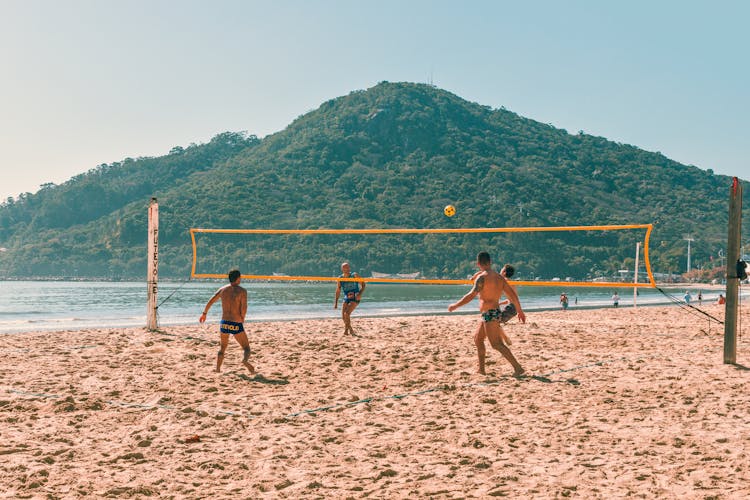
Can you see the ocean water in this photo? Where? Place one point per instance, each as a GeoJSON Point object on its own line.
{"type": "Point", "coordinates": [64, 305]}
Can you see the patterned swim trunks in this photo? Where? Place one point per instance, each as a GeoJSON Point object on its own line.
{"type": "Point", "coordinates": [231, 327]}
{"type": "Point", "coordinates": [501, 314]}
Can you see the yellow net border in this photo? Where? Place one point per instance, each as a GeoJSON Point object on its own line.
{"type": "Point", "coordinates": [647, 263]}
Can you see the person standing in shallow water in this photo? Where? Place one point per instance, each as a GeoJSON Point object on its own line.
{"type": "Point", "coordinates": [233, 310]}
{"type": "Point", "coordinates": [352, 296]}
{"type": "Point", "coordinates": [490, 285]}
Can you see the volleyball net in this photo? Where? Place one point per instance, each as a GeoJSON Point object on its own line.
{"type": "Point", "coordinates": [586, 256]}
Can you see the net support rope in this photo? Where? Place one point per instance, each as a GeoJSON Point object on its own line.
{"type": "Point", "coordinates": [689, 307]}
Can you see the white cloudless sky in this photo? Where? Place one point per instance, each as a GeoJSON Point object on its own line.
{"type": "Point", "coordinates": [86, 82]}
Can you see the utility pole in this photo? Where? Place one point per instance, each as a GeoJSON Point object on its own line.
{"type": "Point", "coordinates": [635, 280]}
{"type": "Point", "coordinates": [688, 238]}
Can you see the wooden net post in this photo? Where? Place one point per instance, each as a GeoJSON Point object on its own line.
{"type": "Point", "coordinates": [153, 264]}
{"type": "Point", "coordinates": [733, 255]}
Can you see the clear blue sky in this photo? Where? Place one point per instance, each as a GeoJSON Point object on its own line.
{"type": "Point", "coordinates": [86, 82]}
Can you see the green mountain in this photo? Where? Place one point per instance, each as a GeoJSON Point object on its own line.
{"type": "Point", "coordinates": [388, 157]}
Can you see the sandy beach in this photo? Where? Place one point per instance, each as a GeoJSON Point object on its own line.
{"type": "Point", "coordinates": [618, 402]}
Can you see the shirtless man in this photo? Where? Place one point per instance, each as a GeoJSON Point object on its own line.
{"type": "Point", "coordinates": [233, 309]}
{"type": "Point", "coordinates": [352, 296]}
{"type": "Point", "coordinates": [507, 310]}
{"type": "Point", "coordinates": [490, 286]}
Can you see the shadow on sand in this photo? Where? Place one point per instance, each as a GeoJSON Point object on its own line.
{"type": "Point", "coordinates": [263, 380]}
{"type": "Point", "coordinates": [547, 380]}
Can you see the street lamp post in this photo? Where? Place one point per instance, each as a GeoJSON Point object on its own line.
{"type": "Point", "coordinates": [688, 238]}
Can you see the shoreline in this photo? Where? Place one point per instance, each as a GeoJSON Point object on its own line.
{"type": "Point", "coordinates": [467, 310]}
{"type": "Point", "coordinates": [57, 306]}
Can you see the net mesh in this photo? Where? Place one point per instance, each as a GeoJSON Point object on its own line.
{"type": "Point", "coordinates": [542, 256]}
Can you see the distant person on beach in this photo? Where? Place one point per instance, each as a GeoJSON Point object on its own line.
{"type": "Point", "coordinates": [352, 295]}
{"type": "Point", "coordinates": [564, 301]}
{"type": "Point", "coordinates": [700, 297]}
{"type": "Point", "coordinates": [615, 300]}
{"type": "Point", "coordinates": [490, 286]}
{"type": "Point", "coordinates": [721, 300]}
{"type": "Point", "coordinates": [687, 297]}
{"type": "Point", "coordinates": [233, 310]}
{"type": "Point", "coordinates": [507, 271]}
{"type": "Point", "coordinates": [507, 309]}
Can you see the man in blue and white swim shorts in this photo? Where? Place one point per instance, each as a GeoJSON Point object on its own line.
{"type": "Point", "coordinates": [231, 327]}
{"type": "Point", "coordinates": [233, 310]}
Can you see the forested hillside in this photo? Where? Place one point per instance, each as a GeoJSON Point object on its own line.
{"type": "Point", "coordinates": [390, 156]}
